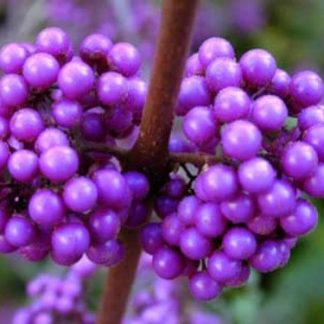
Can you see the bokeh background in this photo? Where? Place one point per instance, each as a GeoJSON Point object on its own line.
{"type": "Point", "coordinates": [292, 30]}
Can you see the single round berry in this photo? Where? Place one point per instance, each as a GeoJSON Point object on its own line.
{"type": "Point", "coordinates": [299, 160]}
{"type": "Point", "coordinates": [269, 113]}
{"type": "Point", "coordinates": [104, 225]}
{"type": "Point", "coordinates": [223, 268]}
{"type": "Point", "coordinates": [258, 67]}
{"type": "Point", "coordinates": [12, 58]}
{"type": "Point", "coordinates": [231, 104]}
{"type": "Point", "coordinates": [214, 48]}
{"type": "Point", "coordinates": [222, 73]}
{"type": "Point", "coordinates": [172, 229]}
{"type": "Point", "coordinates": [111, 88]}
{"type": "Point", "coordinates": [168, 263]}
{"type": "Point", "coordinates": [80, 194]}
{"type": "Point", "coordinates": [19, 231]}
{"type": "Point", "coordinates": [280, 84]}
{"type": "Point", "coordinates": [54, 41]}
{"type": "Point", "coordinates": [302, 221]}
{"type": "Point", "coordinates": [314, 185]}
{"type": "Point", "coordinates": [67, 113]}
{"type": "Point", "coordinates": [93, 127]}
{"type": "Point", "coordinates": [59, 163]}
{"type": "Point", "coordinates": [113, 190]}
{"type": "Point", "coordinates": [194, 245]}
{"type": "Point", "coordinates": [239, 209]}
{"type": "Point", "coordinates": [50, 137]}
{"type": "Point", "coordinates": [256, 175]}
{"type": "Point", "coordinates": [138, 183]}
{"type": "Point", "coordinates": [193, 93]}
{"type": "Point", "coordinates": [279, 200]}
{"type": "Point", "coordinates": [23, 165]}
{"type": "Point", "coordinates": [46, 208]}
{"type": "Point", "coordinates": [107, 254]}
{"type": "Point", "coordinates": [311, 116]}
{"type": "Point", "coordinates": [76, 79]}
{"type": "Point", "coordinates": [26, 124]}
{"type": "Point", "coordinates": [124, 58]}
{"type": "Point", "coordinates": [41, 70]}
{"type": "Point", "coordinates": [151, 238]}
{"type": "Point", "coordinates": [199, 125]}
{"type": "Point", "coordinates": [69, 242]}
{"type": "Point", "coordinates": [13, 90]}
{"type": "Point", "coordinates": [307, 88]}
{"type": "Point", "coordinates": [238, 132]}
{"type": "Point", "coordinates": [219, 182]}
{"type": "Point", "coordinates": [203, 287]}
{"type": "Point", "coordinates": [136, 96]}
{"type": "Point", "coordinates": [209, 221]}
{"type": "Point", "coordinates": [95, 48]}
{"type": "Point", "coordinates": [239, 243]}
{"type": "Point", "coordinates": [267, 258]}
{"type": "Point", "coordinates": [187, 209]}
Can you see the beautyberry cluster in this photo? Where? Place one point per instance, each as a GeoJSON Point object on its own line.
{"type": "Point", "coordinates": [59, 196]}
{"type": "Point", "coordinates": [156, 301]}
{"type": "Point", "coordinates": [58, 299]}
{"type": "Point", "coordinates": [260, 133]}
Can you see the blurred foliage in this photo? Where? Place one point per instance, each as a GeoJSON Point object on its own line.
{"type": "Point", "coordinates": [293, 31]}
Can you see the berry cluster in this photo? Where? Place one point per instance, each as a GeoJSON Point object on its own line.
{"type": "Point", "coordinates": [57, 299]}
{"type": "Point", "coordinates": [157, 301]}
{"type": "Point", "coordinates": [58, 196]}
{"type": "Point", "coordinates": [261, 134]}
{"type": "Point", "coordinates": [61, 299]}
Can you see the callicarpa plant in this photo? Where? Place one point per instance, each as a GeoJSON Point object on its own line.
{"type": "Point", "coordinates": [87, 156]}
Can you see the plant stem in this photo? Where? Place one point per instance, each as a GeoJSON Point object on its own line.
{"type": "Point", "coordinates": [150, 153]}
{"type": "Point", "coordinates": [94, 147]}
{"type": "Point", "coordinates": [197, 159]}
{"type": "Point", "coordinates": [119, 281]}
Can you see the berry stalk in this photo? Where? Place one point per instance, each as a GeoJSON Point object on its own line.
{"type": "Point", "coordinates": [150, 153]}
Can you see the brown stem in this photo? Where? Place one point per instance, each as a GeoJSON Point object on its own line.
{"type": "Point", "coordinates": [95, 147]}
{"type": "Point", "coordinates": [119, 281]}
{"type": "Point", "coordinates": [197, 159]}
{"type": "Point", "coordinates": [150, 153]}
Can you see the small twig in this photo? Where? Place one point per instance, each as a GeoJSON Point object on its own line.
{"type": "Point", "coordinates": [187, 172]}
{"type": "Point", "coordinates": [197, 159]}
{"type": "Point", "coordinates": [94, 147]}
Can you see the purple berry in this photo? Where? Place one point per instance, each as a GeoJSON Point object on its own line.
{"type": "Point", "coordinates": [194, 245]}
{"type": "Point", "coordinates": [59, 163]}
{"type": "Point", "coordinates": [302, 221]}
{"type": "Point", "coordinates": [222, 73]}
{"type": "Point", "coordinates": [238, 132]}
{"type": "Point", "coordinates": [41, 70]}
{"type": "Point", "coordinates": [203, 287]}
{"type": "Point", "coordinates": [258, 67]}
{"type": "Point", "coordinates": [168, 263]}
{"type": "Point", "coordinates": [223, 268]}
{"type": "Point", "coordinates": [269, 113]}
{"type": "Point", "coordinates": [80, 194]}
{"type": "Point", "coordinates": [307, 88]}
{"type": "Point", "coordinates": [239, 243]}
